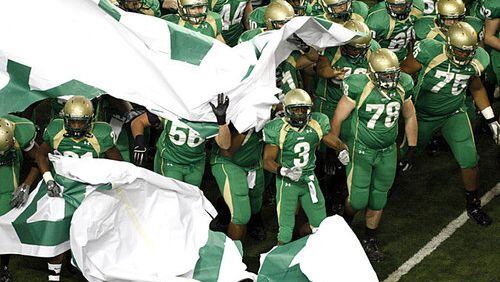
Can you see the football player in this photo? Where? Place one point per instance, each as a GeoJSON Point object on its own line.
{"type": "Point", "coordinates": [146, 7]}
{"type": "Point", "coordinates": [374, 102]}
{"type": "Point", "coordinates": [300, 8]}
{"type": "Point", "coordinates": [392, 27]}
{"type": "Point", "coordinates": [333, 67]}
{"type": "Point", "coordinates": [76, 136]}
{"type": "Point", "coordinates": [240, 176]}
{"type": "Point", "coordinates": [17, 144]}
{"type": "Point", "coordinates": [340, 11]}
{"type": "Point", "coordinates": [290, 148]}
{"type": "Point", "coordinates": [446, 70]}
{"type": "Point", "coordinates": [490, 14]}
{"type": "Point", "coordinates": [278, 13]}
{"type": "Point", "coordinates": [234, 14]}
{"type": "Point", "coordinates": [180, 150]}
{"type": "Point", "coordinates": [449, 12]}
{"type": "Point", "coordinates": [194, 15]}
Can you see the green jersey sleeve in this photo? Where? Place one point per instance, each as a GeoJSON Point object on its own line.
{"type": "Point", "coordinates": [24, 131]}
{"type": "Point", "coordinates": [378, 21]}
{"type": "Point", "coordinates": [353, 85]}
{"type": "Point", "coordinates": [218, 21]}
{"type": "Point", "coordinates": [256, 18]}
{"type": "Point", "coordinates": [323, 121]}
{"type": "Point", "coordinates": [423, 26]}
{"type": "Point", "coordinates": [54, 127]}
{"type": "Point", "coordinates": [271, 132]}
{"type": "Point", "coordinates": [104, 135]}
{"type": "Point", "coordinates": [481, 61]}
{"type": "Point", "coordinates": [407, 83]}
{"type": "Point", "coordinates": [490, 9]}
{"type": "Point", "coordinates": [426, 50]}
{"type": "Point", "coordinates": [216, 5]}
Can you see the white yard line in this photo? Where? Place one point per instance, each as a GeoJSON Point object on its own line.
{"type": "Point", "coordinates": [438, 239]}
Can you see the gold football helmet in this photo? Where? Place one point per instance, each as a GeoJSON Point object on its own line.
{"type": "Point", "coordinates": [77, 113]}
{"type": "Point", "coordinates": [399, 9]}
{"type": "Point", "coordinates": [384, 68]}
{"type": "Point", "coordinates": [193, 11]}
{"type": "Point", "coordinates": [6, 142]}
{"type": "Point", "coordinates": [297, 104]}
{"type": "Point", "coordinates": [356, 49]}
{"type": "Point", "coordinates": [277, 14]}
{"type": "Point", "coordinates": [461, 43]}
{"type": "Point", "coordinates": [337, 9]}
{"type": "Point", "coordinates": [449, 12]}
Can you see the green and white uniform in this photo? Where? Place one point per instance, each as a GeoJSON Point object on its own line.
{"type": "Point", "coordinates": [440, 100]}
{"type": "Point", "coordinates": [418, 4]}
{"type": "Point", "coordinates": [391, 33]}
{"type": "Point", "coordinates": [490, 9]}
{"type": "Point", "coordinates": [297, 149]}
{"type": "Point", "coordinates": [359, 13]}
{"type": "Point", "coordinates": [211, 26]}
{"type": "Point", "coordinates": [374, 127]}
{"type": "Point", "coordinates": [287, 75]}
{"type": "Point", "coordinates": [231, 13]}
{"type": "Point", "coordinates": [426, 27]}
{"type": "Point", "coordinates": [241, 177]}
{"type": "Point", "coordinates": [94, 145]}
{"type": "Point", "coordinates": [180, 153]}
{"type": "Point", "coordinates": [24, 134]}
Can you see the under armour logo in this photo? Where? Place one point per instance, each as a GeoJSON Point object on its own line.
{"type": "Point", "coordinates": [288, 185]}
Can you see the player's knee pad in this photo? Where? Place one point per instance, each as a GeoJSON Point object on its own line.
{"type": "Point", "coordinates": [241, 209]}
{"type": "Point", "coordinates": [378, 200]}
{"type": "Point", "coordinates": [358, 199]}
{"type": "Point", "coordinates": [467, 156]}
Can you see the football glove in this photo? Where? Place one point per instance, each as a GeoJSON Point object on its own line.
{"type": "Point", "coordinates": [53, 189]}
{"type": "Point", "coordinates": [20, 196]}
{"type": "Point", "coordinates": [139, 150]}
{"type": "Point", "coordinates": [406, 163]}
{"type": "Point", "coordinates": [343, 157]}
{"type": "Point", "coordinates": [495, 130]}
{"type": "Point", "coordinates": [221, 109]}
{"type": "Point", "coordinates": [297, 41]}
{"type": "Point", "coordinates": [293, 173]}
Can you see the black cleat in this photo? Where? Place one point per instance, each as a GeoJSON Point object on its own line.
{"type": "Point", "coordinates": [371, 249]}
{"type": "Point", "coordinates": [479, 216]}
{"type": "Point", "coordinates": [5, 275]}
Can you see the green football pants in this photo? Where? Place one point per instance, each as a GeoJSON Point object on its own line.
{"type": "Point", "coordinates": [288, 194]}
{"type": "Point", "coordinates": [370, 175]}
{"type": "Point", "coordinates": [457, 131]}
{"type": "Point", "coordinates": [233, 181]}
{"type": "Point", "coordinates": [190, 173]}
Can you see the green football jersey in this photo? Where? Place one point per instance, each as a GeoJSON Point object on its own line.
{"type": "Point", "coordinates": [426, 27]}
{"type": "Point", "coordinates": [211, 26]}
{"type": "Point", "coordinates": [256, 18]}
{"type": "Point", "coordinates": [297, 148]}
{"type": "Point", "coordinates": [374, 121]}
{"type": "Point", "coordinates": [180, 144]}
{"type": "Point", "coordinates": [359, 13]}
{"type": "Point", "coordinates": [442, 84]}
{"type": "Point", "coordinates": [418, 4]}
{"type": "Point", "coordinates": [232, 20]}
{"type": "Point", "coordinates": [24, 135]}
{"type": "Point", "coordinates": [249, 155]}
{"type": "Point", "coordinates": [358, 7]}
{"type": "Point", "coordinates": [93, 145]}
{"type": "Point", "coordinates": [391, 33]}
{"type": "Point", "coordinates": [329, 91]}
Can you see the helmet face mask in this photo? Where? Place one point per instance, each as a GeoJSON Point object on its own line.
{"type": "Point", "coordinates": [194, 12]}
{"type": "Point", "coordinates": [384, 69]}
{"type": "Point", "coordinates": [354, 53]}
{"type": "Point", "coordinates": [297, 104]}
{"type": "Point", "coordinates": [277, 14]}
{"type": "Point", "coordinates": [399, 9]}
{"type": "Point", "coordinates": [357, 48]}
{"type": "Point", "coordinates": [299, 7]}
{"type": "Point", "coordinates": [77, 114]}
{"type": "Point", "coordinates": [461, 43]}
{"type": "Point", "coordinates": [338, 9]}
{"type": "Point", "coordinates": [7, 154]}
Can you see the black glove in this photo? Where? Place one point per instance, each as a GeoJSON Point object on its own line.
{"type": "Point", "coordinates": [53, 189]}
{"type": "Point", "coordinates": [297, 41]}
{"type": "Point", "coordinates": [406, 163]}
{"type": "Point", "coordinates": [220, 110]}
{"type": "Point", "coordinates": [20, 196]}
{"type": "Point", "coordinates": [139, 150]}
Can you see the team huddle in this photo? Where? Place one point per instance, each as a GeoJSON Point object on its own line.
{"type": "Point", "coordinates": [333, 144]}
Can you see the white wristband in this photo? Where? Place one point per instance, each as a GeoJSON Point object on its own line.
{"type": "Point", "coordinates": [488, 113]}
{"type": "Point", "coordinates": [47, 176]}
